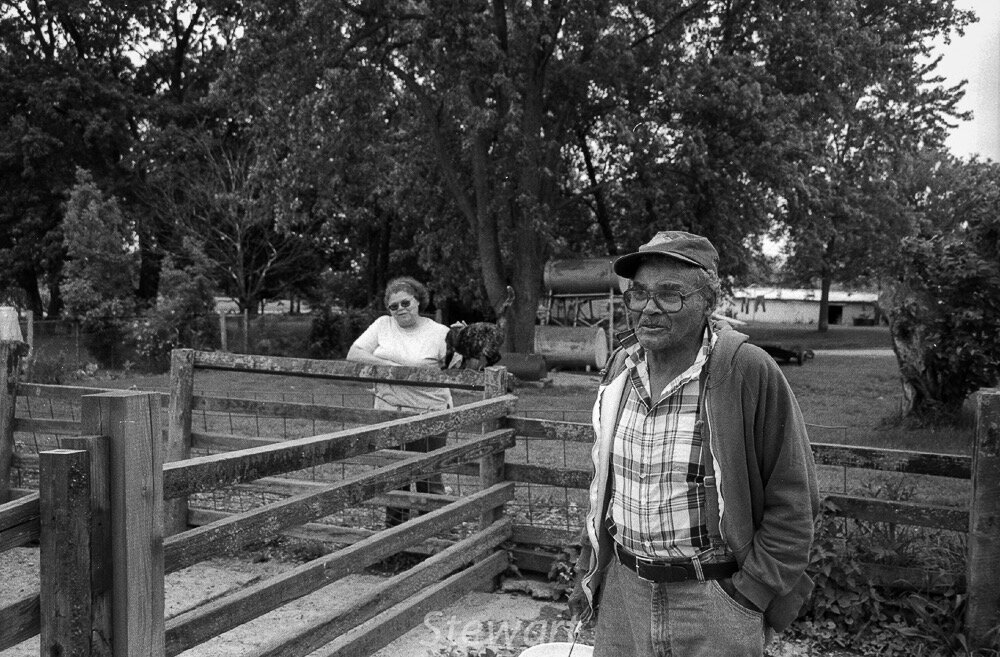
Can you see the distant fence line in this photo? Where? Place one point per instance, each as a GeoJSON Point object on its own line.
{"type": "Point", "coordinates": [268, 333]}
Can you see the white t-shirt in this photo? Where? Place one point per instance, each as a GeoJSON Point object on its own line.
{"type": "Point", "coordinates": [420, 346]}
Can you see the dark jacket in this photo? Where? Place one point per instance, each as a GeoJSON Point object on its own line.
{"type": "Point", "coordinates": [763, 465]}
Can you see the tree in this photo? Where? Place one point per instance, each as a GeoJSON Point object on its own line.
{"type": "Point", "coordinates": [64, 103]}
{"type": "Point", "coordinates": [942, 290]}
{"type": "Point", "coordinates": [219, 199]}
{"type": "Point", "coordinates": [100, 274]}
{"type": "Point", "coordinates": [513, 105]}
{"type": "Point", "coordinates": [874, 99]}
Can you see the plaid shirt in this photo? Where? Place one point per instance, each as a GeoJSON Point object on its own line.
{"type": "Point", "coordinates": [658, 498]}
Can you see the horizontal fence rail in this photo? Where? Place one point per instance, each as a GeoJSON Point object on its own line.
{"type": "Point", "coordinates": [339, 370]}
{"type": "Point", "coordinates": [234, 531]}
{"type": "Point", "coordinates": [207, 473]}
{"type": "Point", "coordinates": [206, 621]}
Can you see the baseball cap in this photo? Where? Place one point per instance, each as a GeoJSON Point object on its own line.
{"type": "Point", "coordinates": [677, 244]}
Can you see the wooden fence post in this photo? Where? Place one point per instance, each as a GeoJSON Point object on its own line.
{"type": "Point", "coordinates": [178, 447]}
{"type": "Point", "coordinates": [30, 329]}
{"type": "Point", "coordinates": [495, 380]}
{"type": "Point", "coordinates": [223, 338]}
{"type": "Point", "coordinates": [135, 473]}
{"type": "Point", "coordinates": [11, 352]}
{"type": "Point", "coordinates": [982, 615]}
{"type": "Point", "coordinates": [100, 540]}
{"type": "Point", "coordinates": [64, 552]}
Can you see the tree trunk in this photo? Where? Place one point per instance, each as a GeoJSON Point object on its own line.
{"type": "Point", "coordinates": [149, 272]}
{"type": "Point", "coordinates": [600, 203]}
{"type": "Point", "coordinates": [28, 282]}
{"type": "Point", "coordinates": [824, 301]}
{"type": "Point", "coordinates": [921, 396]}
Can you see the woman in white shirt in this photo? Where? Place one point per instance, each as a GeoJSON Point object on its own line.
{"type": "Point", "coordinates": [405, 337]}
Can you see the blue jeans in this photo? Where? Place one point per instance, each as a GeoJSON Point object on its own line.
{"type": "Point", "coordinates": [683, 619]}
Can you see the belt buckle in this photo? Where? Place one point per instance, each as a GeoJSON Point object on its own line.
{"type": "Point", "coordinates": [676, 572]}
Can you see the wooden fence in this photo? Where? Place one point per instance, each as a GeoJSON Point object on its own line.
{"type": "Point", "coordinates": [100, 520]}
{"type": "Point", "coordinates": [981, 521]}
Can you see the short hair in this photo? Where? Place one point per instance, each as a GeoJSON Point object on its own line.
{"type": "Point", "coordinates": [407, 284]}
{"type": "Point", "coordinates": [713, 289]}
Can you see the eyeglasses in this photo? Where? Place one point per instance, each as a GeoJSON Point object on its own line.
{"type": "Point", "coordinates": [404, 304]}
{"type": "Point", "coordinates": [668, 301]}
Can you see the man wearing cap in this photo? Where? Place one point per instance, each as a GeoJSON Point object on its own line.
{"type": "Point", "coordinates": [702, 503]}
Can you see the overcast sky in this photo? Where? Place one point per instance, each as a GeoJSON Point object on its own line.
{"type": "Point", "coordinates": [976, 57]}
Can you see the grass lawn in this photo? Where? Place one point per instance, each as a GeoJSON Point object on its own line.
{"type": "Point", "coordinates": [807, 337]}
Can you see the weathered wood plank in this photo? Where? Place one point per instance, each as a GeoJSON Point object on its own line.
{"type": "Point", "coordinates": [912, 579]}
{"type": "Point", "coordinates": [534, 560]}
{"type": "Point", "coordinates": [548, 536]}
{"type": "Point", "coordinates": [19, 522]}
{"type": "Point", "coordinates": [20, 621]}
{"type": "Point", "coordinates": [228, 442]}
{"type": "Point", "coordinates": [496, 382]}
{"type": "Point", "coordinates": [902, 513]}
{"type": "Point", "coordinates": [209, 472]}
{"type": "Point", "coordinates": [573, 432]}
{"type": "Point", "coordinates": [235, 531]}
{"type": "Point", "coordinates": [71, 393]}
{"type": "Point", "coordinates": [11, 352]}
{"type": "Point", "coordinates": [296, 410]}
{"type": "Point", "coordinates": [199, 625]}
{"type": "Point", "coordinates": [132, 422]}
{"type": "Point", "coordinates": [894, 460]}
{"type": "Point", "coordinates": [391, 624]}
{"type": "Point", "coordinates": [16, 512]}
{"type": "Point", "coordinates": [101, 566]}
{"type": "Point", "coordinates": [395, 590]}
{"type": "Point", "coordinates": [546, 476]}
{"type": "Point", "coordinates": [323, 533]}
{"type": "Point", "coordinates": [400, 498]}
{"type": "Point", "coordinates": [338, 369]}
{"type": "Point", "coordinates": [47, 425]}
{"type": "Point", "coordinates": [177, 446]}
{"type": "Point", "coordinates": [64, 552]}
{"type": "Point", "coordinates": [983, 565]}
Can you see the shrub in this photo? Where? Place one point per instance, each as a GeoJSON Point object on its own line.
{"type": "Point", "coordinates": [848, 610]}
{"type": "Point", "coordinates": [40, 368]}
{"type": "Point", "coordinates": [182, 318]}
{"type": "Point", "coordinates": [100, 272]}
{"type": "Point", "coordinates": [333, 332]}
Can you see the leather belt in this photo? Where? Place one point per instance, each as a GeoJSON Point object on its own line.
{"type": "Point", "coordinates": [661, 572]}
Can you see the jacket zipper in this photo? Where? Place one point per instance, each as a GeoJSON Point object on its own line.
{"type": "Point", "coordinates": [715, 462]}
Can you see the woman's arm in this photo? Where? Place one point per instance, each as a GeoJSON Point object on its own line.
{"type": "Point", "coordinates": [357, 354]}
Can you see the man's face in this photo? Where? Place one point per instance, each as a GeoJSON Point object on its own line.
{"type": "Point", "coordinates": [664, 332]}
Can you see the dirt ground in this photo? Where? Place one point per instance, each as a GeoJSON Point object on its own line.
{"type": "Point", "coordinates": [479, 623]}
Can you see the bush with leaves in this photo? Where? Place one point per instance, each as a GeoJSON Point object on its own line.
{"type": "Point", "coordinates": [99, 277]}
{"type": "Point", "coordinates": [942, 289]}
{"type": "Point", "coordinates": [848, 610]}
{"type": "Point", "coordinates": [183, 316]}
{"type": "Point", "coordinates": [333, 331]}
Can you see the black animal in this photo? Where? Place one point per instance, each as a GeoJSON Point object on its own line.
{"type": "Point", "coordinates": [481, 340]}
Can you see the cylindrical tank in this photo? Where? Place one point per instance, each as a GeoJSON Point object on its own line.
{"type": "Point", "coordinates": [572, 346]}
{"type": "Point", "coordinates": [584, 276]}
{"type": "Point", "coordinates": [527, 367]}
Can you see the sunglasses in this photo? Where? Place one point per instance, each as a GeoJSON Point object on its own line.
{"type": "Point", "coordinates": [668, 301]}
{"type": "Point", "coordinates": [404, 304]}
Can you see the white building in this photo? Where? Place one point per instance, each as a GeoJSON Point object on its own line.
{"type": "Point", "coordinates": [787, 306]}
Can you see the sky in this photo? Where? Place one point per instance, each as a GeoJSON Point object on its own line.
{"type": "Point", "coordinates": [976, 57]}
